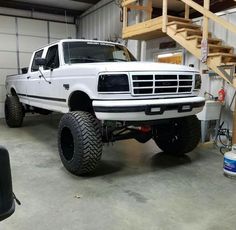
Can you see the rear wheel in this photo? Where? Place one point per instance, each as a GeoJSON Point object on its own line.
{"type": "Point", "coordinates": [178, 136]}
{"type": "Point", "coordinates": [79, 142]}
{"type": "Point", "coordinates": [14, 112]}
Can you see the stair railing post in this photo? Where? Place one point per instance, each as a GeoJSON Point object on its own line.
{"type": "Point", "coordinates": [187, 10]}
{"type": "Point", "coordinates": [205, 20]}
{"type": "Point", "coordinates": [164, 16]}
{"type": "Point", "coordinates": [204, 43]}
{"type": "Point", "coordinates": [125, 16]}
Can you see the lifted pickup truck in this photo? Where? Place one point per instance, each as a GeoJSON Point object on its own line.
{"type": "Point", "coordinates": [106, 96]}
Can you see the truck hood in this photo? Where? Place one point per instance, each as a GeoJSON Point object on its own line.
{"type": "Point", "coordinates": [142, 66]}
{"type": "Point", "coordinates": [101, 67]}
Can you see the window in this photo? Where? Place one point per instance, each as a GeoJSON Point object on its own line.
{"type": "Point", "coordinates": [52, 58]}
{"type": "Point", "coordinates": [34, 67]}
{"type": "Point", "coordinates": [81, 52]}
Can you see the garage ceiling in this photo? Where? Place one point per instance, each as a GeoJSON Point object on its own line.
{"type": "Point", "coordinates": [71, 7]}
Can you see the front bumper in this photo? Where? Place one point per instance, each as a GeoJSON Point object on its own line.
{"type": "Point", "coordinates": [144, 110]}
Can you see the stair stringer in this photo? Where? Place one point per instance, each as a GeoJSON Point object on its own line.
{"type": "Point", "coordinates": [212, 62]}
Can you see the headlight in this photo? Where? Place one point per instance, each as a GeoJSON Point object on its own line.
{"type": "Point", "coordinates": [113, 83]}
{"type": "Point", "coordinates": [198, 81]}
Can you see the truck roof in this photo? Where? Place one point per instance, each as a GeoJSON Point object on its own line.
{"type": "Point", "coordinates": [77, 40]}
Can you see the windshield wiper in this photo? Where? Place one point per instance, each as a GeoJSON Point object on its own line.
{"type": "Point", "coordinates": [84, 59]}
{"type": "Point", "coordinates": [116, 59]}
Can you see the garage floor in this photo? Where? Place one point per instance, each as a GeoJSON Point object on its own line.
{"type": "Point", "coordinates": [135, 187]}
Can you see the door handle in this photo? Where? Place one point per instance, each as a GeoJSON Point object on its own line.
{"type": "Point", "coordinates": [28, 77]}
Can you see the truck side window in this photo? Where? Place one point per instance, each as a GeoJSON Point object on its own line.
{"type": "Point", "coordinates": [52, 58]}
{"type": "Point", "coordinates": [34, 67]}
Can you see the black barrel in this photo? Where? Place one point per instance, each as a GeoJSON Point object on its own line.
{"type": "Point", "coordinates": [7, 204]}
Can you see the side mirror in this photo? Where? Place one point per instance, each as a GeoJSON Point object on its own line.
{"type": "Point", "coordinates": [40, 61]}
{"type": "Point", "coordinates": [7, 204]}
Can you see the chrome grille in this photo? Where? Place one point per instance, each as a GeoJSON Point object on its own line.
{"type": "Point", "coordinates": [161, 84]}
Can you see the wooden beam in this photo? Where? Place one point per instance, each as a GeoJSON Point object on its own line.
{"type": "Point", "coordinates": [149, 10]}
{"type": "Point", "coordinates": [187, 10]}
{"type": "Point", "coordinates": [127, 2]}
{"type": "Point", "coordinates": [125, 17]}
{"type": "Point", "coordinates": [211, 15]}
{"type": "Point", "coordinates": [164, 14]}
{"type": "Point", "coordinates": [206, 21]}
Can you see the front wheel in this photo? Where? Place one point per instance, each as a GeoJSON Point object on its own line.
{"type": "Point", "coordinates": [79, 142]}
{"type": "Point", "coordinates": [178, 136]}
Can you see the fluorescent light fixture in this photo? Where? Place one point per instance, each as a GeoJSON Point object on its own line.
{"type": "Point", "coordinates": [165, 55]}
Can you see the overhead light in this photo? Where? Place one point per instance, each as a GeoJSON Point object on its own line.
{"type": "Point", "coordinates": [165, 55]}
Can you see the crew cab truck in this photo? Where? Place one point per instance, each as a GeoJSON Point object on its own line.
{"type": "Point", "coordinates": [106, 96]}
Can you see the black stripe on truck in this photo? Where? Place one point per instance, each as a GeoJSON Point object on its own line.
{"type": "Point", "coordinates": [43, 98]}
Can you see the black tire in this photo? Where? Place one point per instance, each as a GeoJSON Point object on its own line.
{"type": "Point", "coordinates": [79, 142]}
{"type": "Point", "coordinates": [178, 136]}
{"type": "Point", "coordinates": [14, 112]}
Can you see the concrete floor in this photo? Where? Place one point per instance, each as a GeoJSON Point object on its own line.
{"type": "Point", "coordinates": [135, 186]}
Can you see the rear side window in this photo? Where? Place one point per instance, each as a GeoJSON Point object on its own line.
{"type": "Point", "coordinates": [34, 67]}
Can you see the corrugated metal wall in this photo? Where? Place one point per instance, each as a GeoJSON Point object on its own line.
{"type": "Point", "coordinates": [19, 37]}
{"type": "Point", "coordinates": [101, 21]}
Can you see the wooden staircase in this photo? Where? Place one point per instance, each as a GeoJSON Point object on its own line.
{"type": "Point", "coordinates": [220, 56]}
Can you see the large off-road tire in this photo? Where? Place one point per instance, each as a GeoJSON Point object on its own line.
{"type": "Point", "coordinates": [14, 112]}
{"type": "Point", "coordinates": [178, 136]}
{"type": "Point", "coordinates": [79, 142]}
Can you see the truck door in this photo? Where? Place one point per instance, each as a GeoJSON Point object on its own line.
{"type": "Point", "coordinates": [33, 79]}
{"type": "Point", "coordinates": [49, 83]}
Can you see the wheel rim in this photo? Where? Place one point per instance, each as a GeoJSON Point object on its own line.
{"type": "Point", "coordinates": [67, 144]}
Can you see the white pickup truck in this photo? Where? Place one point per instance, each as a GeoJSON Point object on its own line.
{"type": "Point", "coordinates": [106, 95]}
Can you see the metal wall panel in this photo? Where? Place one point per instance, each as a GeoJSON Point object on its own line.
{"type": "Point", "coordinates": [9, 43]}
{"type": "Point", "coordinates": [32, 27]}
{"type": "Point", "coordinates": [28, 43]}
{"type": "Point", "coordinates": [24, 59]}
{"type": "Point", "coordinates": [7, 25]}
{"type": "Point", "coordinates": [61, 30]}
{"type": "Point", "coordinates": [8, 60]}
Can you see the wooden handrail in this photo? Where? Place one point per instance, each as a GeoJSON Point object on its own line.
{"type": "Point", "coordinates": [210, 15]}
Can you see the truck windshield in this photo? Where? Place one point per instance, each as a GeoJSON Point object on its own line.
{"type": "Point", "coordinates": [88, 52]}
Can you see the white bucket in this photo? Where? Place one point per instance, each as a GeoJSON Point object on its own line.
{"type": "Point", "coordinates": [230, 163]}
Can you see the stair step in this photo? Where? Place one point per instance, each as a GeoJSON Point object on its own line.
{"type": "Point", "coordinates": [178, 19]}
{"type": "Point", "coordinates": [219, 48]}
{"type": "Point", "coordinates": [180, 25]}
{"type": "Point", "coordinates": [225, 57]}
{"type": "Point", "coordinates": [191, 32]}
{"type": "Point", "coordinates": [229, 63]}
{"type": "Point", "coordinates": [214, 41]}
